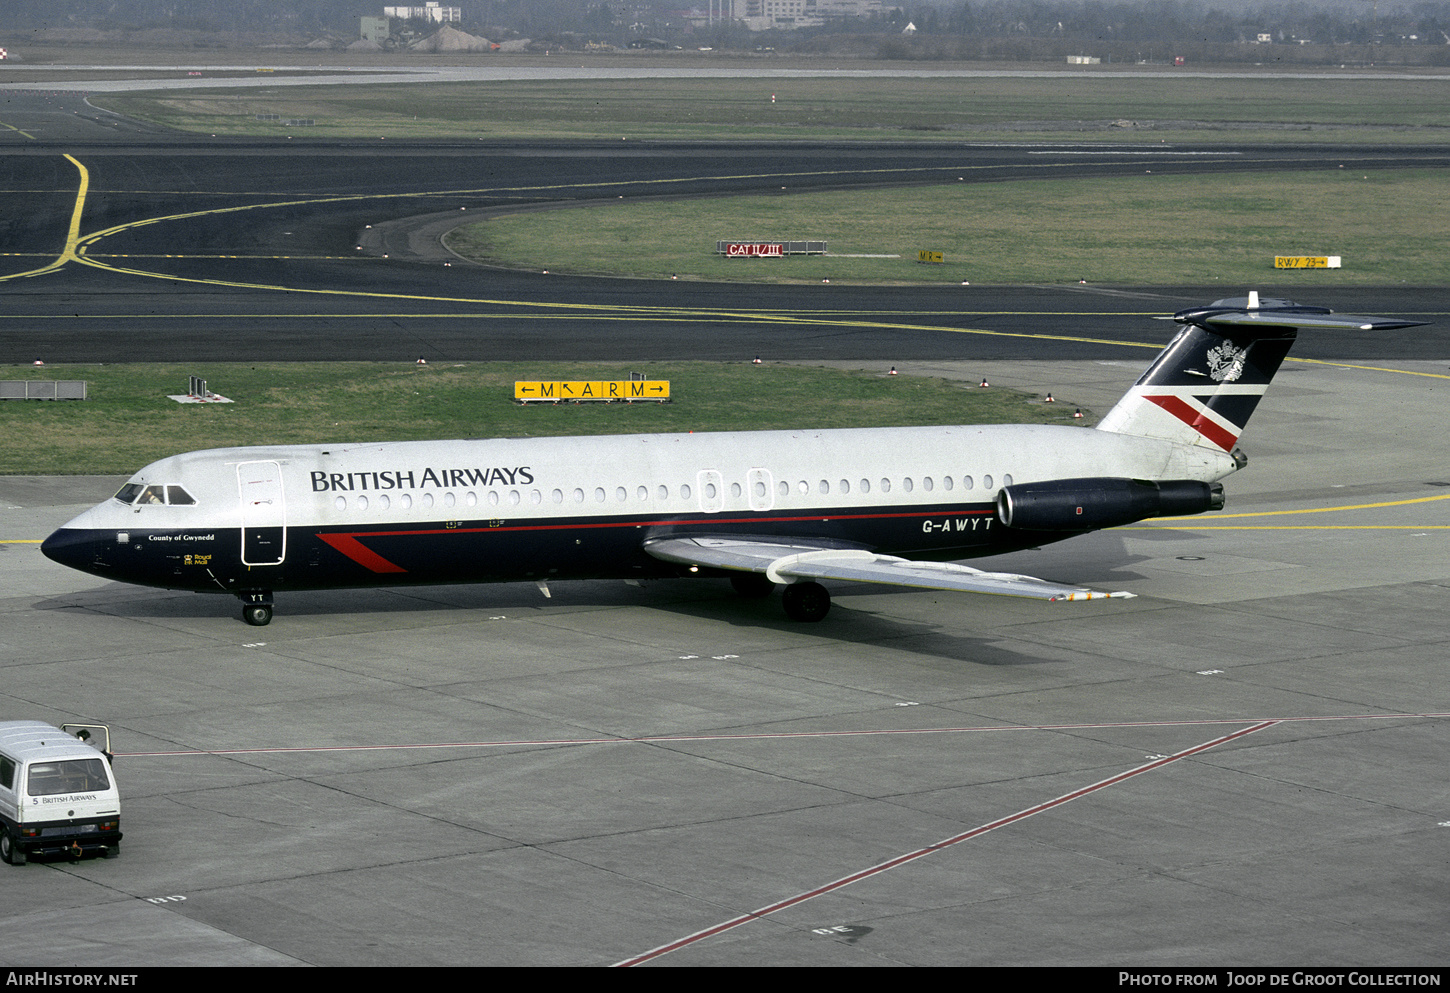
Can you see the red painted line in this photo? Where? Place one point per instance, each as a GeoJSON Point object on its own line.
{"type": "Point", "coordinates": [770, 736]}
{"type": "Point", "coordinates": [1185, 412]}
{"type": "Point", "coordinates": [900, 860]}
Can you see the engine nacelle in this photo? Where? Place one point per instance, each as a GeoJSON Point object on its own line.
{"type": "Point", "coordinates": [1101, 502]}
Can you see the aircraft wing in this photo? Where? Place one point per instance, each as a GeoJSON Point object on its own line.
{"type": "Point", "coordinates": [784, 562]}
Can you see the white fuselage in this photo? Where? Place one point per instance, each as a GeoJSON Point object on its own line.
{"type": "Point", "coordinates": [324, 516]}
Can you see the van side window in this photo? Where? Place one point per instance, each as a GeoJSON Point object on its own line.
{"type": "Point", "coordinates": [7, 773]}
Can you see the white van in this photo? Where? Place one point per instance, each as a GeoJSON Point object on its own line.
{"type": "Point", "coordinates": [57, 793]}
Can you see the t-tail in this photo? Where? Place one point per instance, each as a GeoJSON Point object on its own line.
{"type": "Point", "coordinates": [1206, 384]}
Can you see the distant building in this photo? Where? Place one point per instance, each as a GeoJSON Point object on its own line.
{"type": "Point", "coordinates": [375, 29]}
{"type": "Point", "coordinates": [786, 15]}
{"type": "Point", "coordinates": [436, 13]}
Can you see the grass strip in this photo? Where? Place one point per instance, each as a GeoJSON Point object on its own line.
{"type": "Point", "coordinates": [1389, 226]}
{"type": "Point", "coordinates": [129, 420]}
{"type": "Point", "coordinates": [1198, 107]}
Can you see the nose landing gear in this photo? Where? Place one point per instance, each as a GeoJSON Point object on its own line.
{"type": "Point", "coordinates": [256, 607]}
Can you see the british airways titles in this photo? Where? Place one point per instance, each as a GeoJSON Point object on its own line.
{"type": "Point", "coordinates": [327, 482]}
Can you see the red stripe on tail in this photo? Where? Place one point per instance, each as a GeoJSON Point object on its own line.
{"type": "Point", "coordinates": [1186, 413]}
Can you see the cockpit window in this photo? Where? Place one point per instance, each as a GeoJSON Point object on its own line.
{"type": "Point", "coordinates": [176, 496]}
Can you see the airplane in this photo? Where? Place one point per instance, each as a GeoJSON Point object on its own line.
{"type": "Point", "coordinates": [880, 505]}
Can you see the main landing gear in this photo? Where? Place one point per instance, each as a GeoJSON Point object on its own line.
{"type": "Point", "coordinates": [805, 601]}
{"type": "Point", "coordinates": [256, 607]}
{"type": "Point", "coordinates": [802, 601]}
{"type": "Point", "coordinates": [752, 585]}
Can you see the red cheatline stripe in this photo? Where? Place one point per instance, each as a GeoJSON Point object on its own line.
{"type": "Point", "coordinates": [347, 542]}
{"type": "Point", "coordinates": [679, 521]}
{"type": "Point", "coordinates": [1186, 413]}
{"type": "Point", "coordinates": [929, 849]}
{"type": "Point", "coordinates": [348, 545]}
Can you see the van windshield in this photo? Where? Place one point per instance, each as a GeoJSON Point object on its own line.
{"type": "Point", "coordinates": [70, 776]}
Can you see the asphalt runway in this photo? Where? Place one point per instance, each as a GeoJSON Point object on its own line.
{"type": "Point", "coordinates": [191, 249]}
{"type": "Point", "coordinates": [1246, 765]}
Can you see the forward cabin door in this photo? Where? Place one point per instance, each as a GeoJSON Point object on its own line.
{"type": "Point", "coordinates": [264, 513]}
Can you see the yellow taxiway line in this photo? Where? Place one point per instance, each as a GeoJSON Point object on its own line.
{"type": "Point", "coordinates": [77, 246]}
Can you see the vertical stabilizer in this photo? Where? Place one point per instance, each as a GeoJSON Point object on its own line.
{"type": "Point", "coordinates": [1205, 385]}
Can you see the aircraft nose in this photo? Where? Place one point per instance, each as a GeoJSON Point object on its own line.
{"type": "Point", "coordinates": [70, 547]}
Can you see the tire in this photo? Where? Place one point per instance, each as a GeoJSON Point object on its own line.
{"type": "Point", "coordinates": [806, 601]}
{"type": "Point", "coordinates": [257, 614]}
{"type": "Point", "coordinates": [12, 853]}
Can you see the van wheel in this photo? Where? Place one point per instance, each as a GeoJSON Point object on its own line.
{"type": "Point", "coordinates": [10, 851]}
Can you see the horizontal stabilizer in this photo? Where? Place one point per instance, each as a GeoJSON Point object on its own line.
{"type": "Point", "coordinates": [1243, 314]}
{"type": "Point", "coordinates": [784, 562]}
